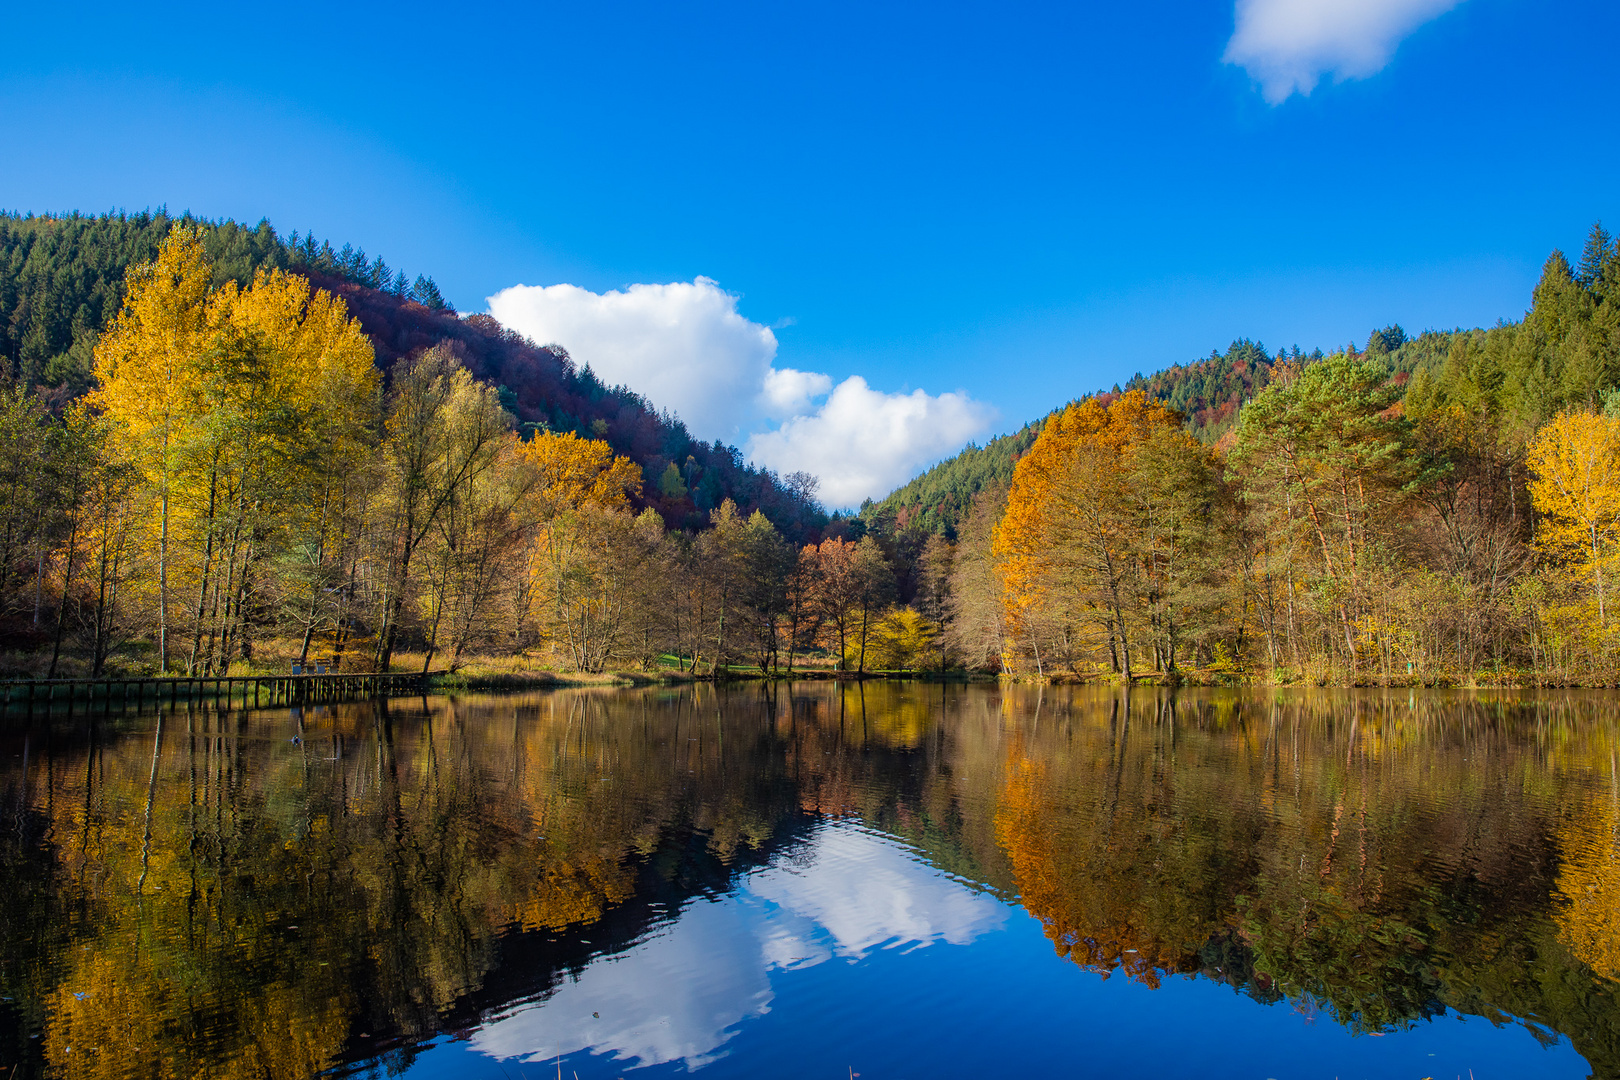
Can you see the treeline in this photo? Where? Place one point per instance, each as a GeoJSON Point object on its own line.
{"type": "Point", "coordinates": [1208, 393]}
{"type": "Point", "coordinates": [240, 473]}
{"type": "Point", "coordinates": [1462, 530]}
{"type": "Point", "coordinates": [62, 280]}
{"type": "Point", "coordinates": [1444, 508]}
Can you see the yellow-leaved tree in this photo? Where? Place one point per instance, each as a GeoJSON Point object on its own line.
{"type": "Point", "coordinates": [572, 473]}
{"type": "Point", "coordinates": [311, 473]}
{"type": "Point", "coordinates": [1575, 488]}
{"type": "Point", "coordinates": [146, 366]}
{"type": "Point", "coordinates": [902, 640]}
{"type": "Point", "coordinates": [590, 563]}
{"type": "Point", "coordinates": [446, 435]}
{"type": "Point", "coordinates": [233, 408]}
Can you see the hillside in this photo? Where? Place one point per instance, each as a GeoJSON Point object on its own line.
{"type": "Point", "coordinates": [62, 278]}
{"type": "Point", "coordinates": [940, 498]}
{"type": "Point", "coordinates": [1207, 392]}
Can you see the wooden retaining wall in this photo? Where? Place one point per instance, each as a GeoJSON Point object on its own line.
{"type": "Point", "coordinates": [249, 690]}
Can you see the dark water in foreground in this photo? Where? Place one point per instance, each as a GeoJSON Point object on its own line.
{"type": "Point", "coordinates": [888, 881]}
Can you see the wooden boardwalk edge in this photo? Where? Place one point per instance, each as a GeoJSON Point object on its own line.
{"type": "Point", "coordinates": [259, 689]}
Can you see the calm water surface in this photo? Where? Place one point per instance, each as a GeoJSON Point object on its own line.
{"type": "Point", "coordinates": [889, 881]}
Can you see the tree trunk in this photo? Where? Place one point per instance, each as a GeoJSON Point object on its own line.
{"type": "Point", "coordinates": [67, 585]}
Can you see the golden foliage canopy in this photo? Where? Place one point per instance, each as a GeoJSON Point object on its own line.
{"type": "Point", "coordinates": [177, 357]}
{"type": "Point", "coordinates": [1575, 460]}
{"type": "Point", "coordinates": [1079, 464]}
{"type": "Point", "coordinates": [575, 473]}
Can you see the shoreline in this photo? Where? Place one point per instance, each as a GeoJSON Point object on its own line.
{"type": "Point", "coordinates": [544, 679]}
{"type": "Point", "coordinates": [623, 679]}
{"type": "Point", "coordinates": [540, 680]}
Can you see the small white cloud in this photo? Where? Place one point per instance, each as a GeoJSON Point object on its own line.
{"type": "Point", "coordinates": [684, 346]}
{"type": "Point", "coordinates": [863, 443]}
{"type": "Point", "coordinates": [790, 393]}
{"type": "Point", "coordinates": [1288, 45]}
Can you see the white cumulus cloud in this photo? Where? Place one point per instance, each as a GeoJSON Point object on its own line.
{"type": "Point", "coordinates": [1288, 45]}
{"type": "Point", "coordinates": [683, 345]}
{"type": "Point", "coordinates": [686, 348]}
{"type": "Point", "coordinates": [864, 443]}
{"type": "Point", "coordinates": [789, 393]}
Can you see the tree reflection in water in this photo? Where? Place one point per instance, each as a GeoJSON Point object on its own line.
{"type": "Point", "coordinates": [274, 894]}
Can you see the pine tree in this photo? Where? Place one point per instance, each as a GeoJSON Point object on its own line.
{"type": "Point", "coordinates": [1595, 255]}
{"type": "Point", "coordinates": [426, 293]}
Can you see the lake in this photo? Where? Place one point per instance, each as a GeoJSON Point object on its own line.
{"type": "Point", "coordinates": [812, 880]}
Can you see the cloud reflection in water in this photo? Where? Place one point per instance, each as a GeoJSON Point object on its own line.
{"type": "Point", "coordinates": [681, 993]}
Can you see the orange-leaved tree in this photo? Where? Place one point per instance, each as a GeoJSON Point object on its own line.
{"type": "Point", "coordinates": [1080, 551]}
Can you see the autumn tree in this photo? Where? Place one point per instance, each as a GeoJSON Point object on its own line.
{"type": "Point", "coordinates": [975, 632]}
{"type": "Point", "coordinates": [592, 570]}
{"type": "Point", "coordinates": [472, 552]}
{"type": "Point", "coordinates": [1078, 545]}
{"type": "Point", "coordinates": [904, 640]}
{"type": "Point", "coordinates": [837, 590]}
{"type": "Point", "coordinates": [148, 366]}
{"type": "Point", "coordinates": [291, 404]}
{"type": "Point", "coordinates": [1575, 485]}
{"type": "Point", "coordinates": [934, 566]}
{"type": "Point", "coordinates": [799, 601]}
{"type": "Point", "coordinates": [445, 430]}
{"type": "Point", "coordinates": [853, 587]}
{"type": "Point", "coordinates": [721, 566]}
{"type": "Point", "coordinates": [874, 591]}
{"type": "Point", "coordinates": [1321, 454]}
{"type": "Point", "coordinates": [1183, 531]}
{"type": "Point", "coordinates": [767, 563]}
{"type": "Point", "coordinates": [229, 405]}
{"type": "Point", "coordinates": [603, 592]}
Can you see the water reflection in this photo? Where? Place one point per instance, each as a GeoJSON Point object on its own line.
{"type": "Point", "coordinates": [632, 874]}
{"type": "Point", "coordinates": [680, 993]}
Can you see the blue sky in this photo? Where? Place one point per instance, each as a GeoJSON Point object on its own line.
{"type": "Point", "coordinates": [1014, 202]}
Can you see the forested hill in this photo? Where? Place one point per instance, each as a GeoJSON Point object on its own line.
{"type": "Point", "coordinates": [62, 280]}
{"type": "Point", "coordinates": [940, 498]}
{"type": "Point", "coordinates": [1207, 392]}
